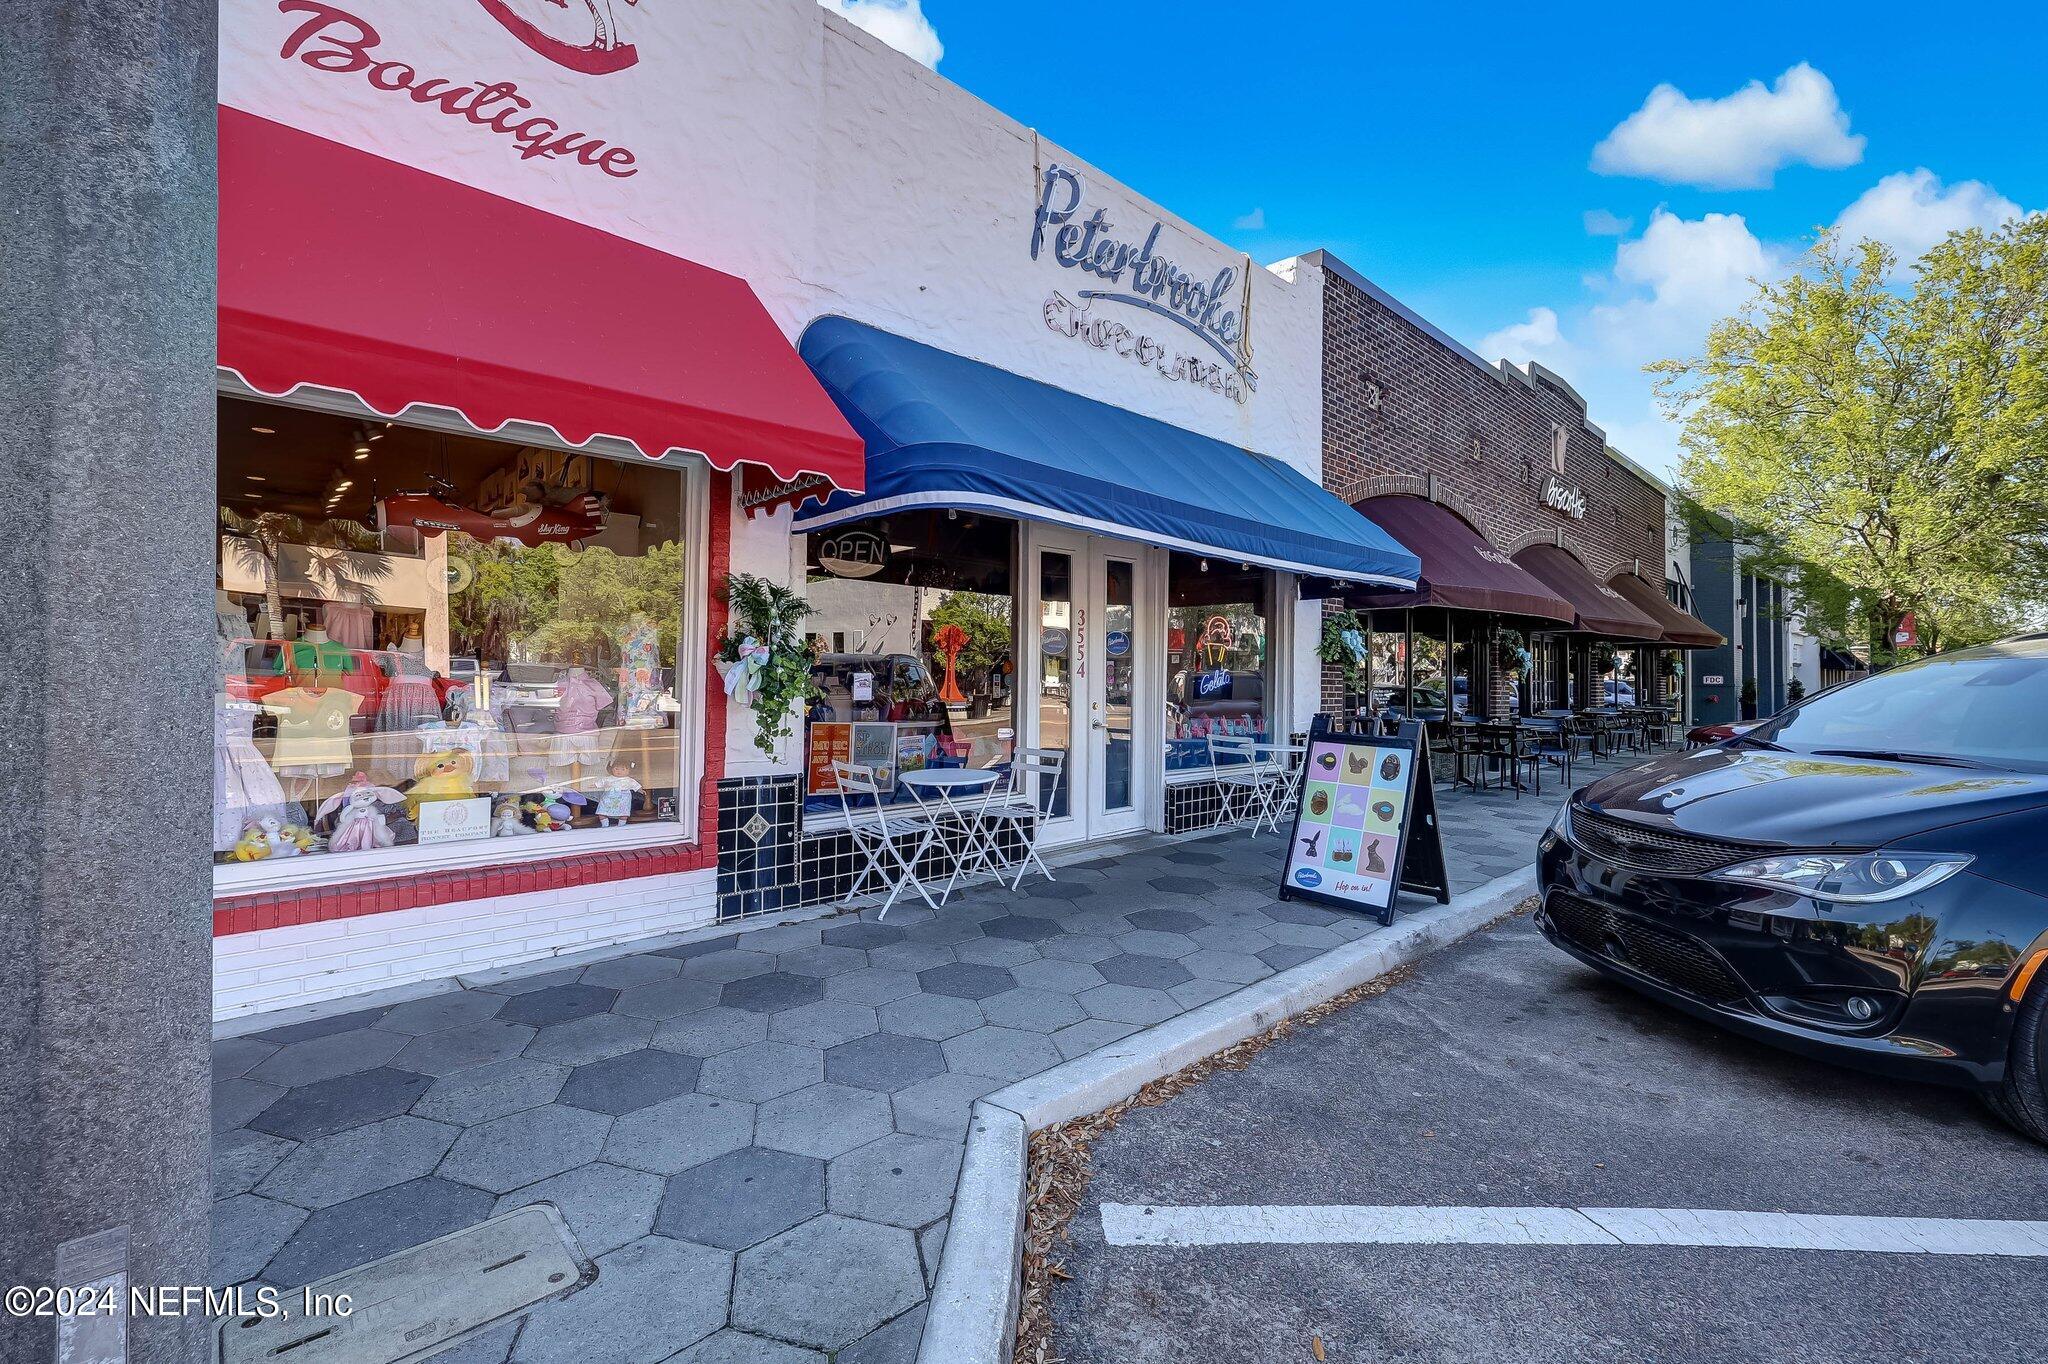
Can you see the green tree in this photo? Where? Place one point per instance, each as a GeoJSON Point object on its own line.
{"type": "Point", "coordinates": [1887, 431]}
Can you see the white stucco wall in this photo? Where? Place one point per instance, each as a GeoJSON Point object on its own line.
{"type": "Point", "coordinates": [775, 141]}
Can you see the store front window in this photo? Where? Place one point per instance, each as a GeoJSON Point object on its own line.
{"type": "Point", "coordinates": [1218, 668]}
{"type": "Point", "coordinates": [431, 639]}
{"type": "Point", "coordinates": [915, 634]}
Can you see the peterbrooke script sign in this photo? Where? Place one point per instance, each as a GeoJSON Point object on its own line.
{"type": "Point", "coordinates": [1214, 352]}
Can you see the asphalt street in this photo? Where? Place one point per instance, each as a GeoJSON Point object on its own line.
{"type": "Point", "coordinates": [1506, 1075]}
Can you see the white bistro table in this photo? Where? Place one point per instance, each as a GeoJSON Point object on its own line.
{"type": "Point", "coordinates": [946, 792]}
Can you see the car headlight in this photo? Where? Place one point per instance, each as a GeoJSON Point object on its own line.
{"type": "Point", "coordinates": [1560, 830]}
{"type": "Point", "coordinates": [1848, 878]}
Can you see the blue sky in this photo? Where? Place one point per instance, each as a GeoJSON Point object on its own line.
{"type": "Point", "coordinates": [1448, 152]}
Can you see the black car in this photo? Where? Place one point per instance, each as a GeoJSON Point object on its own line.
{"type": "Point", "coordinates": [1863, 878]}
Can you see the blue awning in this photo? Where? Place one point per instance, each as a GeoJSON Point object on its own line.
{"type": "Point", "coordinates": [945, 431]}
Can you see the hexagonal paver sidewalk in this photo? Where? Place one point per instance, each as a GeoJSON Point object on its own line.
{"type": "Point", "coordinates": [755, 1136]}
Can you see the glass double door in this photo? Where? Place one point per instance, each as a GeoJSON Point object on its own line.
{"type": "Point", "coordinates": [1095, 656]}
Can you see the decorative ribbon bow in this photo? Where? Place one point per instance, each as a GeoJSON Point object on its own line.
{"type": "Point", "coordinates": [1354, 643]}
{"type": "Point", "coordinates": [742, 673]}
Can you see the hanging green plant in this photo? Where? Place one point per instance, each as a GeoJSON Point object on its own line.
{"type": "Point", "coordinates": [1343, 645]}
{"type": "Point", "coordinates": [766, 655]}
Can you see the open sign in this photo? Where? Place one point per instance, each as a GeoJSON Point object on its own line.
{"type": "Point", "coordinates": [853, 554]}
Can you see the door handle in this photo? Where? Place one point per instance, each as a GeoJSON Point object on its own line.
{"type": "Point", "coordinates": [1099, 725]}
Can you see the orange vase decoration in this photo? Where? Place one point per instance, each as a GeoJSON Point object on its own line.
{"type": "Point", "coordinates": [950, 640]}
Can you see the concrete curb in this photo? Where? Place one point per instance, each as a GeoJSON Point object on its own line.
{"type": "Point", "coordinates": [973, 1312]}
{"type": "Point", "coordinates": [973, 1309]}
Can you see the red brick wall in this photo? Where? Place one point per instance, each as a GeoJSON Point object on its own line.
{"type": "Point", "coordinates": [1483, 436]}
{"type": "Point", "coordinates": [249, 913]}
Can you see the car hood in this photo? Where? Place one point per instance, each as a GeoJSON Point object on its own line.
{"type": "Point", "coordinates": [1755, 795]}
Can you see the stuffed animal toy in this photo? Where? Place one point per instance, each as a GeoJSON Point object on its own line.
{"type": "Point", "coordinates": [506, 823]}
{"type": "Point", "coordinates": [281, 839]}
{"type": "Point", "coordinates": [444, 774]}
{"type": "Point", "coordinates": [536, 812]}
{"type": "Point", "coordinates": [362, 824]}
{"type": "Point", "coordinates": [251, 847]}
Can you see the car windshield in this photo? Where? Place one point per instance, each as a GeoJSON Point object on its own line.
{"type": "Point", "coordinates": [1989, 708]}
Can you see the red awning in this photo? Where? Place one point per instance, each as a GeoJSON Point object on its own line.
{"type": "Point", "coordinates": [1598, 608]}
{"type": "Point", "coordinates": [1681, 630]}
{"type": "Point", "coordinates": [1459, 568]}
{"type": "Point", "coordinates": [342, 270]}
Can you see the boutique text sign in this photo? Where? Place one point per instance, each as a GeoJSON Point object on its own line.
{"type": "Point", "coordinates": [331, 39]}
{"type": "Point", "coordinates": [1210, 347]}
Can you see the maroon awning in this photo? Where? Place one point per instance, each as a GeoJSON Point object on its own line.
{"type": "Point", "coordinates": [1459, 569]}
{"type": "Point", "coordinates": [1681, 630]}
{"type": "Point", "coordinates": [1597, 608]}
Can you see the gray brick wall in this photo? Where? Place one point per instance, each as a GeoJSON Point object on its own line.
{"type": "Point", "coordinates": [1400, 406]}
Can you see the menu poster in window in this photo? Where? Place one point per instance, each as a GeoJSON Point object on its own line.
{"type": "Point", "coordinates": [1351, 828]}
{"type": "Point", "coordinates": [863, 687]}
{"type": "Point", "coordinates": [830, 743]}
{"type": "Point", "coordinates": [874, 746]}
{"type": "Point", "coordinates": [913, 749]}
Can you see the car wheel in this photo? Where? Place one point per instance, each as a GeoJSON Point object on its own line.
{"type": "Point", "coordinates": [2023, 1099]}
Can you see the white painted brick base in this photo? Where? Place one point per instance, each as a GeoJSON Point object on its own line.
{"type": "Point", "coordinates": [279, 968]}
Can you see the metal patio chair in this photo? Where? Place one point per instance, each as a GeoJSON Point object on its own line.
{"type": "Point", "coordinates": [1240, 781]}
{"type": "Point", "coordinates": [1020, 812]}
{"type": "Point", "coordinates": [881, 838]}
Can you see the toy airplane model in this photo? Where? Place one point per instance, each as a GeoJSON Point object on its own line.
{"type": "Point", "coordinates": [570, 524]}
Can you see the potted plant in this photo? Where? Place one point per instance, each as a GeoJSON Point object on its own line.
{"type": "Point", "coordinates": [1749, 698]}
{"type": "Point", "coordinates": [1342, 645]}
{"type": "Point", "coordinates": [766, 660]}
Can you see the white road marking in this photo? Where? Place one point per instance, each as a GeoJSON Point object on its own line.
{"type": "Point", "coordinates": [1125, 1224]}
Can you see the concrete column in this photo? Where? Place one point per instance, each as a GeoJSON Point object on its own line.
{"type": "Point", "coordinates": [107, 663]}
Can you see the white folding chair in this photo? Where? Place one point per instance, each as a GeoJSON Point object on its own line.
{"type": "Point", "coordinates": [1283, 786]}
{"type": "Point", "coordinates": [882, 839]}
{"type": "Point", "coordinates": [1240, 781]}
{"type": "Point", "coordinates": [1035, 775]}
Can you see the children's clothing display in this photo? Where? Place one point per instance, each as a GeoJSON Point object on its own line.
{"type": "Point", "coordinates": [244, 787]}
{"type": "Point", "coordinates": [639, 668]}
{"type": "Point", "coordinates": [409, 696]}
{"type": "Point", "coordinates": [312, 729]}
{"type": "Point", "coordinates": [579, 698]}
{"type": "Point", "coordinates": [351, 624]}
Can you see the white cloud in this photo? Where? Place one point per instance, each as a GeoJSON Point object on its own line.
{"type": "Point", "coordinates": [1665, 288]}
{"type": "Point", "coordinates": [1601, 223]}
{"type": "Point", "coordinates": [899, 23]}
{"type": "Point", "coordinates": [1913, 210]}
{"type": "Point", "coordinates": [1535, 338]}
{"type": "Point", "coordinates": [1254, 221]}
{"type": "Point", "coordinates": [1736, 142]}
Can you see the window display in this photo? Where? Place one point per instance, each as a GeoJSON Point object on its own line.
{"type": "Point", "coordinates": [431, 638]}
{"type": "Point", "coordinates": [915, 638]}
{"type": "Point", "coordinates": [1217, 663]}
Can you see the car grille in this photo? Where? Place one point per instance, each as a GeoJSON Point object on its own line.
{"type": "Point", "coordinates": [1679, 961]}
{"type": "Point", "coordinates": [1646, 849]}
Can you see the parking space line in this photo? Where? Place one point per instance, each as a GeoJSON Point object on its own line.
{"type": "Point", "coordinates": [1125, 1224]}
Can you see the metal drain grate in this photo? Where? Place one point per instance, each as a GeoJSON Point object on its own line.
{"type": "Point", "coordinates": [405, 1306]}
